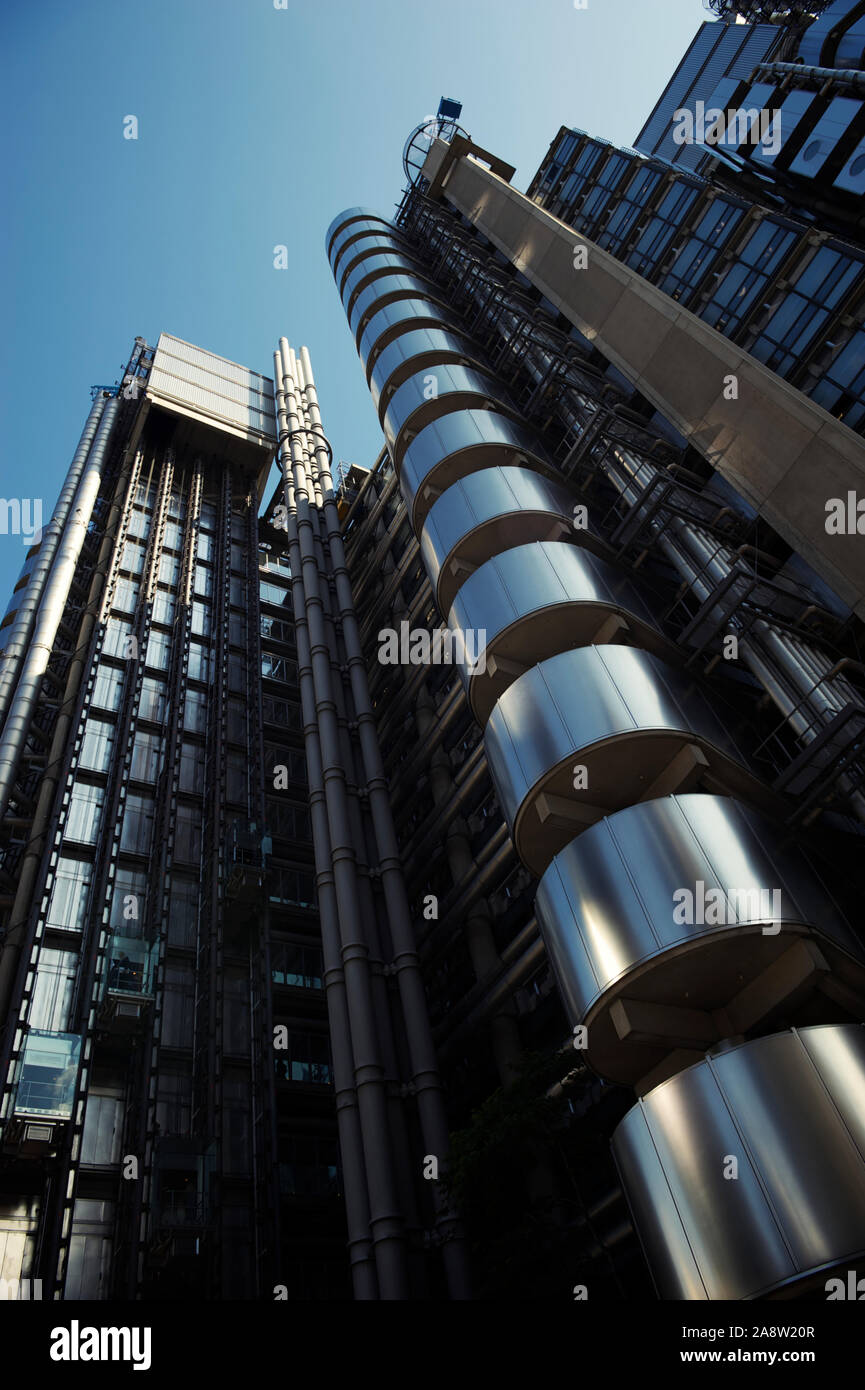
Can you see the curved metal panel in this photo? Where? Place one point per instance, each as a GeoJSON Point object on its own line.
{"type": "Point", "coordinates": [434, 392]}
{"type": "Point", "coordinates": [371, 268]}
{"type": "Point", "coordinates": [360, 244]}
{"type": "Point", "coordinates": [460, 444]}
{"type": "Point", "coordinates": [623, 913]}
{"type": "Point", "coordinates": [483, 514]}
{"type": "Point", "coordinates": [400, 316]}
{"type": "Point", "coordinates": [535, 601]}
{"type": "Point", "coordinates": [790, 1109]}
{"type": "Point", "coordinates": [381, 290]}
{"type": "Point", "coordinates": [631, 721]}
{"type": "Point", "coordinates": [340, 224]}
{"type": "Point", "coordinates": [418, 348]}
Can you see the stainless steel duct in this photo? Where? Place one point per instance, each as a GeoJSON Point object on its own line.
{"type": "Point", "coordinates": [50, 612]}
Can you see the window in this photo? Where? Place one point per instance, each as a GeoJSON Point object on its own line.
{"type": "Point", "coordinates": [173, 538]}
{"type": "Point", "coordinates": [237, 628]}
{"type": "Point", "coordinates": [125, 596]}
{"type": "Point", "coordinates": [291, 886]}
{"type": "Point", "coordinates": [199, 661]}
{"type": "Point", "coordinates": [158, 650]}
{"type": "Point", "coordinates": [205, 546]}
{"type": "Point", "coordinates": [84, 813]}
{"type": "Point", "coordinates": [115, 640]}
{"type": "Point", "coordinates": [278, 594]}
{"type": "Point", "coordinates": [96, 745]}
{"type": "Point", "coordinates": [195, 712]}
{"type": "Point", "coordinates": [163, 607]}
{"type": "Point", "coordinates": [201, 620]}
{"type": "Point", "coordinates": [137, 834]}
{"type": "Point", "coordinates": [296, 965]}
{"type": "Point", "coordinates": [182, 910]}
{"type": "Point", "coordinates": [174, 1102]}
{"type": "Point", "coordinates": [68, 904]}
{"type": "Point", "coordinates": [203, 581]}
{"type": "Point", "coordinates": [236, 673]}
{"type": "Point", "coordinates": [278, 668]}
{"type": "Point", "coordinates": [128, 901]}
{"type": "Point", "coordinates": [52, 990]}
{"type": "Point", "coordinates": [286, 713]}
{"type": "Point", "coordinates": [237, 769]}
{"type": "Point", "coordinates": [237, 715]}
{"type": "Point", "coordinates": [187, 834]}
{"type": "Point", "coordinates": [306, 1059]}
{"type": "Point", "coordinates": [49, 1073]}
{"type": "Point", "coordinates": [139, 525]}
{"type": "Point", "coordinates": [177, 1009]}
{"type": "Point", "coordinates": [169, 568]}
{"type": "Point", "coordinates": [310, 1167]}
{"type": "Point", "coordinates": [107, 686]}
{"type": "Point", "coordinates": [191, 767]}
{"type": "Point", "coordinates": [132, 559]}
{"type": "Point", "coordinates": [146, 756]}
{"type": "Point", "coordinates": [152, 703]}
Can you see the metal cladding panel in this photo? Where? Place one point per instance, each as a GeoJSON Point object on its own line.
{"type": "Point", "coordinates": [606, 902]}
{"type": "Point", "coordinates": [400, 316]}
{"type": "Point", "coordinates": [458, 445]}
{"type": "Point", "coordinates": [434, 390]}
{"type": "Point", "coordinates": [211, 389]}
{"type": "Point", "coordinates": [333, 241]}
{"type": "Point", "coordinates": [482, 497]}
{"type": "Point", "coordinates": [388, 286]}
{"type": "Point", "coordinates": [425, 344]}
{"type": "Point", "coordinates": [789, 1108]}
{"type": "Point", "coordinates": [356, 248]}
{"type": "Point", "coordinates": [533, 578]}
{"type": "Point", "coordinates": [355, 232]}
{"type": "Point", "coordinates": [811, 47]}
{"type": "Point", "coordinates": [718, 50]}
{"type": "Point", "coordinates": [375, 263]}
{"type": "Point", "coordinates": [579, 698]}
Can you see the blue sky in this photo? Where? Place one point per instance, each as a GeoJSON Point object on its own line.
{"type": "Point", "coordinates": [257, 126]}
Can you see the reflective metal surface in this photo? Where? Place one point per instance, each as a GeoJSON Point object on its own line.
{"type": "Point", "coordinates": [540, 599]}
{"type": "Point", "coordinates": [610, 909]}
{"type": "Point", "coordinates": [486, 513]}
{"type": "Point", "coordinates": [459, 445]}
{"type": "Point", "coordinates": [380, 291]}
{"type": "Point", "coordinates": [436, 391]}
{"type": "Point", "coordinates": [410, 352]}
{"type": "Point", "coordinates": [362, 244]}
{"type": "Point", "coordinates": [338, 228]}
{"type": "Point", "coordinates": [401, 315]}
{"type": "Point", "coordinates": [790, 1109]}
{"type": "Point", "coordinates": [370, 268]}
{"type": "Point", "coordinates": [626, 717]}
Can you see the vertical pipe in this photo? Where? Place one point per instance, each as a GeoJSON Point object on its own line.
{"type": "Point", "coordinates": [19, 634]}
{"type": "Point", "coordinates": [51, 608]}
{"type": "Point", "coordinates": [347, 1113]}
{"type": "Point", "coordinates": [425, 1077]}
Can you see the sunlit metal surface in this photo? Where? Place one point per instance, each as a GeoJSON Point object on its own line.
{"type": "Point", "coordinates": [434, 392]}
{"type": "Point", "coordinates": [460, 444]}
{"type": "Point", "coordinates": [612, 925]}
{"type": "Point", "coordinates": [400, 316]}
{"type": "Point", "coordinates": [484, 514]}
{"type": "Point", "coordinates": [339, 227]}
{"type": "Point", "coordinates": [371, 268]}
{"type": "Point", "coordinates": [356, 248]}
{"type": "Point", "coordinates": [631, 721]}
{"type": "Point", "coordinates": [413, 350]}
{"type": "Point", "coordinates": [790, 1110]}
{"type": "Point", "coordinates": [383, 289]}
{"type": "Point", "coordinates": [540, 599]}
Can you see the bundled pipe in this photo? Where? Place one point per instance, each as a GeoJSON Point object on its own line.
{"type": "Point", "coordinates": [54, 597]}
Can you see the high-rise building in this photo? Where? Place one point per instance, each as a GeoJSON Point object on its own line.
{"type": "Point", "coordinates": [440, 879]}
{"type": "Point", "coordinates": [635, 796]}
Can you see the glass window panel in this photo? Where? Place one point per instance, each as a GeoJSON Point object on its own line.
{"type": "Point", "coordinates": [52, 990]}
{"type": "Point", "coordinates": [96, 745]}
{"type": "Point", "coordinates": [68, 903]}
{"type": "Point", "coordinates": [84, 813]}
{"type": "Point", "coordinates": [137, 834]}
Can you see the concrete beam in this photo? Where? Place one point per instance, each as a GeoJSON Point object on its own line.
{"type": "Point", "coordinates": [780, 450]}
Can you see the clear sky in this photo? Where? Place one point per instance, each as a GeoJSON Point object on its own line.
{"type": "Point", "coordinates": [257, 125]}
